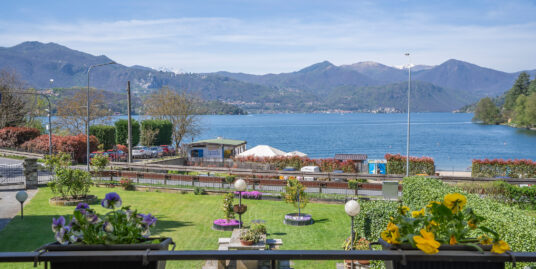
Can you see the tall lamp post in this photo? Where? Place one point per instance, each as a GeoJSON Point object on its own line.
{"type": "Point", "coordinates": [87, 123]}
{"type": "Point", "coordinates": [240, 186]}
{"type": "Point", "coordinates": [352, 208]}
{"type": "Point", "coordinates": [409, 92]}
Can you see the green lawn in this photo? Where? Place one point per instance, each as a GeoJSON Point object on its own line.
{"type": "Point", "coordinates": [187, 219]}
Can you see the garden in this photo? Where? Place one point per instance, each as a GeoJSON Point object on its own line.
{"type": "Point", "coordinates": [189, 220]}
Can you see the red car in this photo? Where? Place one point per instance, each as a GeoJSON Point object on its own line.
{"type": "Point", "coordinates": [168, 150]}
{"type": "Point", "coordinates": [116, 155]}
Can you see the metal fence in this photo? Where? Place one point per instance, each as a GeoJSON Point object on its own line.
{"type": "Point", "coordinates": [11, 174]}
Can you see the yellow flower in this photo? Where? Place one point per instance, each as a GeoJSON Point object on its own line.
{"type": "Point", "coordinates": [433, 223]}
{"type": "Point", "coordinates": [500, 247]}
{"type": "Point", "coordinates": [455, 202]}
{"type": "Point", "coordinates": [431, 203]}
{"type": "Point", "coordinates": [453, 240]}
{"type": "Point", "coordinates": [417, 213]}
{"type": "Point", "coordinates": [426, 242]}
{"type": "Point", "coordinates": [485, 240]}
{"type": "Point", "coordinates": [391, 235]}
{"type": "Point", "coordinates": [471, 224]}
{"type": "Point", "coordinates": [403, 210]}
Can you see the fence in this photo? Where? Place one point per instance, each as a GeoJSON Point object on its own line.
{"type": "Point", "coordinates": [11, 174]}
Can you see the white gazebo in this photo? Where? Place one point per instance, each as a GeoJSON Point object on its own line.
{"type": "Point", "coordinates": [296, 153]}
{"type": "Point", "coordinates": [262, 151]}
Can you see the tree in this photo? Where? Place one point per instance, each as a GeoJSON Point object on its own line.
{"type": "Point", "coordinates": [12, 105]}
{"type": "Point", "coordinates": [521, 86]}
{"type": "Point", "coordinates": [72, 112]}
{"type": "Point", "coordinates": [295, 194]}
{"type": "Point", "coordinates": [487, 112]}
{"type": "Point", "coordinates": [532, 86]}
{"type": "Point", "coordinates": [178, 108]}
{"type": "Point", "coordinates": [148, 136]}
{"type": "Point", "coordinates": [518, 116]}
{"type": "Point", "coordinates": [530, 109]}
{"type": "Point", "coordinates": [121, 132]}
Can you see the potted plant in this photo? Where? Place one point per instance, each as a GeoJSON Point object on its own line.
{"type": "Point", "coordinates": [228, 223]}
{"type": "Point", "coordinates": [358, 244]}
{"type": "Point", "coordinates": [127, 184]}
{"type": "Point", "coordinates": [295, 194]}
{"type": "Point", "coordinates": [441, 225]}
{"type": "Point", "coordinates": [120, 229]}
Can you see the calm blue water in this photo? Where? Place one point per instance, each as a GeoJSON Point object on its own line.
{"type": "Point", "coordinates": [451, 139]}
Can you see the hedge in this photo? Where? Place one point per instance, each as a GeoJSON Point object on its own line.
{"type": "Point", "coordinates": [105, 134]}
{"type": "Point", "coordinates": [500, 167]}
{"type": "Point", "coordinates": [396, 164]}
{"type": "Point", "coordinates": [165, 130]}
{"type": "Point", "coordinates": [121, 132]}
{"type": "Point", "coordinates": [517, 229]}
{"type": "Point", "coordinates": [74, 145]}
{"type": "Point", "coordinates": [373, 218]}
{"type": "Point", "coordinates": [13, 137]}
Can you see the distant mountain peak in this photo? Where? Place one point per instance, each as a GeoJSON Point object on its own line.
{"type": "Point", "coordinates": [318, 66]}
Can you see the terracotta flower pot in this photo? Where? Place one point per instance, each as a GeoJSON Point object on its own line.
{"type": "Point", "coordinates": [247, 243]}
{"type": "Point", "coordinates": [240, 209]}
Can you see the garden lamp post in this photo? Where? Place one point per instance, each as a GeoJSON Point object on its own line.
{"type": "Point", "coordinates": [21, 196]}
{"type": "Point", "coordinates": [352, 208]}
{"type": "Point", "coordinates": [87, 103]}
{"type": "Point", "coordinates": [240, 186]}
{"type": "Point", "coordinates": [409, 91]}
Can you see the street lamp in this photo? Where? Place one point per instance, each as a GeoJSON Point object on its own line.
{"type": "Point", "coordinates": [21, 196]}
{"type": "Point", "coordinates": [50, 123]}
{"type": "Point", "coordinates": [352, 208]}
{"type": "Point", "coordinates": [87, 123]}
{"type": "Point", "coordinates": [409, 92]}
{"type": "Point", "coordinates": [240, 186]}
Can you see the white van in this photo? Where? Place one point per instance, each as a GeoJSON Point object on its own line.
{"type": "Point", "coordinates": [310, 169]}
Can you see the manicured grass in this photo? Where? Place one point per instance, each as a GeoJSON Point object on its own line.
{"type": "Point", "coordinates": [188, 218]}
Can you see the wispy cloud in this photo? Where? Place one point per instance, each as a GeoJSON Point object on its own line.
{"type": "Point", "coordinates": [199, 44]}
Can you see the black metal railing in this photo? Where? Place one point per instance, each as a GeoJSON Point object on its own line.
{"type": "Point", "coordinates": [159, 255]}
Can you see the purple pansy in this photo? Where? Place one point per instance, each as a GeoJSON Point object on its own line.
{"type": "Point", "coordinates": [108, 227]}
{"type": "Point", "coordinates": [92, 218]}
{"type": "Point", "coordinates": [82, 207]}
{"type": "Point", "coordinates": [148, 220]}
{"type": "Point", "coordinates": [111, 200]}
{"type": "Point", "coordinates": [58, 223]}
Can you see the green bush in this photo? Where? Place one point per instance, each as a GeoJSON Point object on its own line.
{"type": "Point", "coordinates": [60, 160]}
{"type": "Point", "coordinates": [121, 132]}
{"type": "Point", "coordinates": [517, 229]}
{"type": "Point", "coordinates": [396, 165]}
{"type": "Point", "coordinates": [199, 191]}
{"type": "Point", "coordinates": [524, 197]}
{"type": "Point", "coordinates": [99, 162]}
{"type": "Point", "coordinates": [105, 134]}
{"type": "Point", "coordinates": [228, 205]}
{"type": "Point", "coordinates": [373, 218]}
{"type": "Point", "coordinates": [165, 130]}
{"type": "Point", "coordinates": [70, 183]}
{"type": "Point", "coordinates": [295, 194]}
{"type": "Point", "coordinates": [230, 179]}
{"type": "Point", "coordinates": [508, 168]}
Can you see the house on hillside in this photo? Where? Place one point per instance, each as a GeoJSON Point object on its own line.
{"type": "Point", "coordinates": [359, 159]}
{"type": "Point", "coordinates": [215, 149]}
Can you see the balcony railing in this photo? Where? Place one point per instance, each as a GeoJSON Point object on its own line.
{"type": "Point", "coordinates": [273, 255]}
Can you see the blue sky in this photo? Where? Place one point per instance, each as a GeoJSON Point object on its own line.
{"type": "Point", "coordinates": [280, 36]}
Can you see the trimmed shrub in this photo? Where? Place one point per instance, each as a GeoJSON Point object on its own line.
{"type": "Point", "coordinates": [13, 137]}
{"type": "Point", "coordinates": [517, 229]}
{"type": "Point", "coordinates": [70, 183]}
{"type": "Point", "coordinates": [326, 165]}
{"type": "Point", "coordinates": [373, 218]}
{"type": "Point", "coordinates": [396, 164]}
{"type": "Point", "coordinates": [500, 167]}
{"type": "Point", "coordinates": [164, 127]}
{"type": "Point", "coordinates": [121, 132]}
{"type": "Point", "coordinates": [105, 134]}
{"type": "Point", "coordinates": [73, 145]}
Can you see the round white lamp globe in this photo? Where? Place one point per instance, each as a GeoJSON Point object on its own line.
{"type": "Point", "coordinates": [21, 196]}
{"type": "Point", "coordinates": [352, 208]}
{"type": "Point", "coordinates": [240, 185]}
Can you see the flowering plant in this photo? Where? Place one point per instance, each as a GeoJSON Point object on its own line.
{"type": "Point", "coordinates": [121, 226]}
{"type": "Point", "coordinates": [359, 244]}
{"type": "Point", "coordinates": [441, 223]}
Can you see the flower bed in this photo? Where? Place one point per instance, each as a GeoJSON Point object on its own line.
{"type": "Point", "coordinates": [225, 224]}
{"type": "Point", "coordinates": [298, 220]}
{"type": "Point", "coordinates": [256, 195]}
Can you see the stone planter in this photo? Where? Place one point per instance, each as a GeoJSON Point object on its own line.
{"type": "Point", "coordinates": [439, 264]}
{"type": "Point", "coordinates": [118, 264]}
{"type": "Point", "coordinates": [301, 220]}
{"type": "Point", "coordinates": [58, 201]}
{"type": "Point", "coordinates": [223, 225]}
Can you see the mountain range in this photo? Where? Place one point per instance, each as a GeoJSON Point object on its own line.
{"type": "Point", "coordinates": [363, 86]}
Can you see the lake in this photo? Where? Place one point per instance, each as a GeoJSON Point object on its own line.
{"type": "Point", "coordinates": [451, 139]}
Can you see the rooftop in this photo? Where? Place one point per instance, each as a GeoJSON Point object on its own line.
{"type": "Point", "coordinates": [219, 141]}
{"type": "Point", "coordinates": [352, 157]}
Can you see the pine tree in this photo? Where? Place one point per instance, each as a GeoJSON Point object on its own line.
{"type": "Point", "coordinates": [521, 86]}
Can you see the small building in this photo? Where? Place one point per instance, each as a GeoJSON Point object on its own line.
{"type": "Point", "coordinates": [359, 160]}
{"type": "Point", "coordinates": [377, 167]}
{"type": "Point", "coordinates": [215, 149]}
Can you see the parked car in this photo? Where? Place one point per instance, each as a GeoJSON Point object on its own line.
{"type": "Point", "coordinates": [140, 152]}
{"type": "Point", "coordinates": [168, 150]}
{"type": "Point", "coordinates": [117, 155]}
{"type": "Point", "coordinates": [92, 154]}
{"type": "Point", "coordinates": [156, 152]}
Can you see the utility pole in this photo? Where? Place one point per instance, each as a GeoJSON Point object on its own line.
{"type": "Point", "coordinates": [408, 136]}
{"type": "Point", "coordinates": [129, 142]}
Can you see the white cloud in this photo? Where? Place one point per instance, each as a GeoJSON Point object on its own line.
{"type": "Point", "coordinates": [284, 45]}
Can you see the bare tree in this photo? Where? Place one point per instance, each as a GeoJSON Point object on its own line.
{"type": "Point", "coordinates": [13, 109]}
{"type": "Point", "coordinates": [148, 136]}
{"type": "Point", "coordinates": [72, 114]}
{"type": "Point", "coordinates": [178, 108]}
